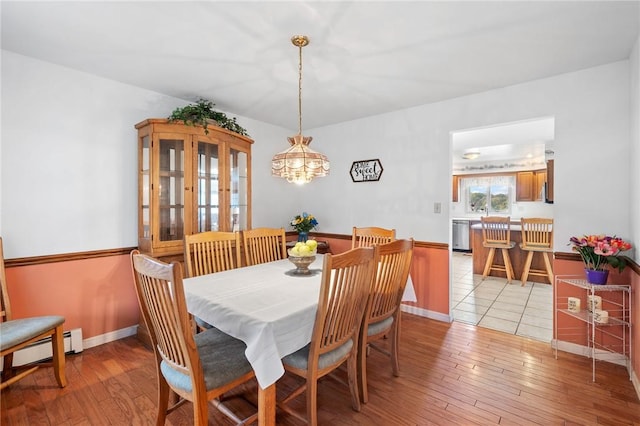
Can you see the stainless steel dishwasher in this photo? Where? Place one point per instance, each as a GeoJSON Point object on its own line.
{"type": "Point", "coordinates": [460, 235]}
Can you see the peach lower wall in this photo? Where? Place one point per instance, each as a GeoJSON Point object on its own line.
{"type": "Point", "coordinates": [96, 295]}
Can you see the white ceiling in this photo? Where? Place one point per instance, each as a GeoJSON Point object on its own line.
{"type": "Point", "coordinates": [365, 58]}
{"type": "Point", "coordinates": [523, 140]}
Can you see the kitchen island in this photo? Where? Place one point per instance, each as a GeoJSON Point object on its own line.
{"type": "Point", "coordinates": [517, 255]}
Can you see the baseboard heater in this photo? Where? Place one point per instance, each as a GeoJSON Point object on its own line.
{"type": "Point", "coordinates": [41, 350]}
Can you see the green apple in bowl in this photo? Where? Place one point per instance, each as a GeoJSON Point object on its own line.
{"type": "Point", "coordinates": [304, 250]}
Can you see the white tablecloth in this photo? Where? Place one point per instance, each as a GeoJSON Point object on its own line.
{"type": "Point", "coordinates": [269, 310]}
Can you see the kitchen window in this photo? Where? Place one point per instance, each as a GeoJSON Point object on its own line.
{"type": "Point", "coordinates": [489, 194]}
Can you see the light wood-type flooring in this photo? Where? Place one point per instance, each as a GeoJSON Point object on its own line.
{"type": "Point", "coordinates": [451, 374]}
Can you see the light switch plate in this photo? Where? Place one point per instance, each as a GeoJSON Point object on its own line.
{"type": "Point", "coordinates": [437, 207]}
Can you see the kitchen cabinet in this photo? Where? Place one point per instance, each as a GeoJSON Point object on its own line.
{"type": "Point", "coordinates": [524, 186]}
{"type": "Point", "coordinates": [529, 185]}
{"type": "Point", "coordinates": [540, 177]}
{"type": "Point", "coordinates": [549, 182]}
{"type": "Point", "coordinates": [455, 189]}
{"type": "Point", "coordinates": [608, 339]}
{"type": "Point", "coordinates": [190, 181]}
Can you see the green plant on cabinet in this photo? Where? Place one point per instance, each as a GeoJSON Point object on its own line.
{"type": "Point", "coordinates": [201, 113]}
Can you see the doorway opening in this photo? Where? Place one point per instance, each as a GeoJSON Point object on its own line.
{"type": "Point", "coordinates": [497, 154]}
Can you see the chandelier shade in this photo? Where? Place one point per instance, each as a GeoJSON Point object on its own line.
{"type": "Point", "coordinates": [299, 163]}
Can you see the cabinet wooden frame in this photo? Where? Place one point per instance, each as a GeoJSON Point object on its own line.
{"type": "Point", "coordinates": [550, 176]}
{"type": "Point", "coordinates": [184, 181]}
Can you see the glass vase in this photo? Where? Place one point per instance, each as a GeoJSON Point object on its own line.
{"type": "Point", "coordinates": [303, 237]}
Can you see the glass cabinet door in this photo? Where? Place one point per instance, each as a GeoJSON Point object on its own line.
{"type": "Point", "coordinates": [144, 166]}
{"type": "Point", "coordinates": [239, 202]}
{"type": "Point", "coordinates": [208, 188]}
{"type": "Point", "coordinates": [171, 157]}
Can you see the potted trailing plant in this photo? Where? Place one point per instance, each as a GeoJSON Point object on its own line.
{"type": "Point", "coordinates": [201, 113]}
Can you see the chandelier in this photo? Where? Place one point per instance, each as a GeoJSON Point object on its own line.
{"type": "Point", "coordinates": [299, 164]}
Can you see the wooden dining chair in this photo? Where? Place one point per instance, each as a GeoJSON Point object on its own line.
{"type": "Point", "coordinates": [16, 334]}
{"type": "Point", "coordinates": [537, 237]}
{"type": "Point", "coordinates": [262, 245]}
{"type": "Point", "coordinates": [197, 367]}
{"type": "Point", "coordinates": [382, 314]}
{"type": "Point", "coordinates": [211, 251]}
{"type": "Point", "coordinates": [345, 284]}
{"type": "Point", "coordinates": [496, 235]}
{"type": "Point", "coordinates": [370, 236]}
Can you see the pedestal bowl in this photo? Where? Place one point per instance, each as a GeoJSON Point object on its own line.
{"type": "Point", "coordinates": [302, 264]}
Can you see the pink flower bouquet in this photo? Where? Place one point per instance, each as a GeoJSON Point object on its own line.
{"type": "Point", "coordinates": [597, 251]}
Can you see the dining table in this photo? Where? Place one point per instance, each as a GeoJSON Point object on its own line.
{"type": "Point", "coordinates": [269, 307]}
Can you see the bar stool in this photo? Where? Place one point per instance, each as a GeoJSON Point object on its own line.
{"type": "Point", "coordinates": [496, 234]}
{"type": "Point", "coordinates": [537, 237]}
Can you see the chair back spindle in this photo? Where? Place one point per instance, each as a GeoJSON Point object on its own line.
{"type": "Point", "coordinates": [371, 236]}
{"type": "Point", "coordinates": [262, 245]}
{"type": "Point", "coordinates": [211, 251]}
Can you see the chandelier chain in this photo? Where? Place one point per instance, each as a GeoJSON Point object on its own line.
{"type": "Point", "coordinates": [300, 90]}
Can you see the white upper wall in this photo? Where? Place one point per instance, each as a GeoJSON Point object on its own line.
{"type": "Point", "coordinates": [591, 111]}
{"type": "Point", "coordinates": [69, 159]}
{"type": "Point", "coordinates": [69, 163]}
{"type": "Point", "coordinates": [634, 157]}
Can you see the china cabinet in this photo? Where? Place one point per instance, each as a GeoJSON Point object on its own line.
{"type": "Point", "coordinates": [607, 336]}
{"type": "Point", "coordinates": [190, 181]}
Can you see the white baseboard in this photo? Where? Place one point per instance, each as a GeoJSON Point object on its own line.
{"type": "Point", "coordinates": [600, 355]}
{"type": "Point", "coordinates": [110, 337]}
{"type": "Point", "coordinates": [43, 350]}
{"type": "Point", "coordinates": [438, 316]}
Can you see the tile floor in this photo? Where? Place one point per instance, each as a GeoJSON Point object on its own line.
{"type": "Point", "coordinates": [492, 303]}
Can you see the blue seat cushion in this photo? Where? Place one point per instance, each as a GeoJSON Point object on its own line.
{"type": "Point", "coordinates": [18, 331]}
{"type": "Point", "coordinates": [300, 358]}
{"type": "Point", "coordinates": [222, 357]}
{"type": "Point", "coordinates": [380, 326]}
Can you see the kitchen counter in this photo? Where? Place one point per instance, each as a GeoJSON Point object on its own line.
{"type": "Point", "coordinates": [517, 255]}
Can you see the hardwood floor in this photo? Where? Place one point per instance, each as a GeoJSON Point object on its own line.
{"type": "Point", "coordinates": [451, 374]}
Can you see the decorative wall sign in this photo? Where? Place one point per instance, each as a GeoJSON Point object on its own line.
{"type": "Point", "coordinates": [366, 170]}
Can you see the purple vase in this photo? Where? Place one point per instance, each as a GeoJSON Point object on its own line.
{"type": "Point", "coordinates": [597, 277]}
